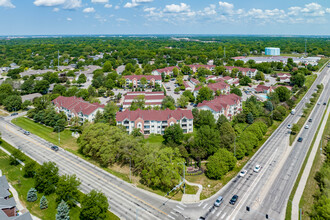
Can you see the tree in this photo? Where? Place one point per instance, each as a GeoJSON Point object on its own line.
{"type": "Point", "coordinates": [41, 86]}
{"type": "Point", "coordinates": [32, 195]}
{"type": "Point", "coordinates": [204, 117]}
{"type": "Point", "coordinates": [28, 86]}
{"type": "Point", "coordinates": [269, 106]}
{"type": "Point", "coordinates": [220, 70]}
{"type": "Point", "coordinates": [249, 118]}
{"type": "Point", "coordinates": [221, 120]}
{"type": "Point", "coordinates": [168, 102]}
{"type": "Point", "coordinates": [60, 125]}
{"type": "Point", "coordinates": [107, 66]}
{"type": "Point", "coordinates": [94, 205]}
{"type": "Point", "coordinates": [67, 189]}
{"type": "Point", "coordinates": [294, 129]}
{"type": "Point", "coordinates": [173, 135]}
{"type": "Point", "coordinates": [138, 103]}
{"type": "Point", "coordinates": [43, 203]}
{"type": "Point", "coordinates": [245, 81]}
{"type": "Point", "coordinates": [283, 93]}
{"type": "Point", "coordinates": [136, 133]}
{"type": "Point", "coordinates": [81, 79]}
{"type": "Point", "coordinates": [15, 157]}
{"type": "Point", "coordinates": [63, 211]}
{"type": "Point", "coordinates": [298, 79]}
{"type": "Point", "coordinates": [260, 76]}
{"type": "Point", "coordinates": [109, 113]}
{"type": "Point", "coordinates": [29, 169]}
{"type": "Point", "coordinates": [236, 91]}
{"type": "Point", "coordinates": [13, 103]}
{"type": "Point", "coordinates": [46, 178]}
{"type": "Point", "coordinates": [190, 95]}
{"type": "Point", "coordinates": [182, 101]}
{"type": "Point", "coordinates": [5, 91]}
{"type": "Point", "coordinates": [227, 135]}
{"type": "Point", "coordinates": [205, 93]}
{"type": "Point", "coordinates": [143, 81]}
{"type": "Point", "coordinates": [220, 163]}
{"type": "Point", "coordinates": [207, 139]}
{"type": "Point", "coordinates": [175, 72]}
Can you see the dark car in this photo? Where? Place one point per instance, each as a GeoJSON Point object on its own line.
{"type": "Point", "coordinates": [26, 132]}
{"type": "Point", "coordinates": [300, 139]}
{"type": "Point", "coordinates": [310, 120]}
{"type": "Point", "coordinates": [54, 148]}
{"type": "Point", "coordinates": [233, 199]}
{"type": "Point", "coordinates": [13, 114]}
{"type": "Point", "coordinates": [324, 103]}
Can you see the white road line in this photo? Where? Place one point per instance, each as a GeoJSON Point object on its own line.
{"type": "Point", "coordinates": [180, 207]}
{"type": "Point", "coordinates": [205, 206]}
{"type": "Point", "coordinates": [210, 207]}
{"type": "Point", "coordinates": [174, 214]}
{"type": "Point", "coordinates": [183, 205]}
{"type": "Point", "coordinates": [171, 217]}
{"type": "Point", "coordinates": [219, 213]}
{"type": "Point", "coordinates": [223, 215]}
{"type": "Point", "coordinates": [214, 211]}
{"type": "Point", "coordinates": [177, 210]}
{"type": "Point", "coordinates": [200, 203]}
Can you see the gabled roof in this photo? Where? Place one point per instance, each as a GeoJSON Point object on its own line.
{"type": "Point", "coordinates": [194, 81]}
{"type": "Point", "coordinates": [221, 102]}
{"type": "Point", "coordinates": [261, 88]}
{"type": "Point", "coordinates": [202, 66]}
{"type": "Point", "coordinates": [148, 77]}
{"type": "Point", "coordinates": [215, 86]}
{"type": "Point", "coordinates": [154, 115]}
{"type": "Point", "coordinates": [167, 69]}
{"type": "Point", "coordinates": [3, 182]}
{"type": "Point", "coordinates": [76, 105]}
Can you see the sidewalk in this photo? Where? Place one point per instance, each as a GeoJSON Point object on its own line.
{"type": "Point", "coordinates": [308, 167]}
{"type": "Point", "coordinates": [191, 198]}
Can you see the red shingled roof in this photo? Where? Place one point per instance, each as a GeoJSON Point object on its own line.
{"type": "Point", "coordinates": [202, 66]}
{"type": "Point", "coordinates": [148, 77]}
{"type": "Point", "coordinates": [194, 81]}
{"type": "Point", "coordinates": [154, 115]}
{"type": "Point", "coordinates": [221, 102]}
{"type": "Point", "coordinates": [167, 69]}
{"type": "Point", "coordinates": [76, 105]}
{"type": "Point", "coordinates": [215, 86]}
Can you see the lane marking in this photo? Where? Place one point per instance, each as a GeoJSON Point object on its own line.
{"type": "Point", "coordinates": [177, 210]}
{"type": "Point", "coordinates": [100, 177]}
{"type": "Point", "coordinates": [174, 214]}
{"type": "Point", "coordinates": [183, 205]}
{"type": "Point", "coordinates": [200, 203]}
{"type": "Point", "coordinates": [205, 206]}
{"type": "Point", "coordinates": [180, 207]}
{"type": "Point", "coordinates": [223, 215]}
{"type": "Point", "coordinates": [171, 217]}
{"type": "Point", "coordinates": [214, 211]}
{"type": "Point", "coordinates": [219, 213]}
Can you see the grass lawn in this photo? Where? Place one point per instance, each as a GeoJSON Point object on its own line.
{"type": "Point", "coordinates": [155, 139]}
{"type": "Point", "coordinates": [307, 199]}
{"type": "Point", "coordinates": [293, 191]}
{"type": "Point", "coordinates": [303, 118]}
{"type": "Point", "coordinates": [322, 62]}
{"type": "Point", "coordinates": [310, 80]}
{"type": "Point", "coordinates": [67, 141]}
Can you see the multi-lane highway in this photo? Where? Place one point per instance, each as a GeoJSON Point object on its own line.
{"type": "Point", "coordinates": [265, 192]}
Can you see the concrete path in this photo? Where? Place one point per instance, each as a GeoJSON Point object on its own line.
{"type": "Point", "coordinates": [191, 198]}
{"type": "Point", "coordinates": [308, 167]}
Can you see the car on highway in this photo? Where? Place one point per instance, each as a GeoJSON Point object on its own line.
{"type": "Point", "coordinates": [324, 103]}
{"type": "Point", "coordinates": [310, 120]}
{"type": "Point", "coordinates": [306, 127]}
{"type": "Point", "coordinates": [300, 139]}
{"type": "Point", "coordinates": [257, 168]}
{"type": "Point", "coordinates": [233, 199]}
{"type": "Point", "coordinates": [218, 202]}
{"type": "Point", "coordinates": [54, 148]}
{"type": "Point", "coordinates": [13, 114]}
{"type": "Point", "coordinates": [26, 132]}
{"type": "Point", "coordinates": [319, 103]}
{"type": "Point", "coordinates": [201, 218]}
{"type": "Point", "coordinates": [242, 173]}
{"type": "Point", "coordinates": [289, 126]}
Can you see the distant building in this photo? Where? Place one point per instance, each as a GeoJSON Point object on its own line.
{"type": "Point", "coordinates": [167, 71]}
{"type": "Point", "coordinates": [227, 105]}
{"type": "Point", "coordinates": [245, 71]}
{"type": "Point", "coordinates": [155, 121]}
{"type": "Point", "coordinates": [30, 97]}
{"type": "Point", "coordinates": [135, 80]}
{"type": "Point", "coordinates": [221, 86]}
{"type": "Point", "coordinates": [195, 67]}
{"type": "Point", "coordinates": [77, 107]}
{"type": "Point", "coordinates": [152, 99]}
{"type": "Point", "coordinates": [304, 60]}
{"type": "Point", "coordinates": [263, 89]}
{"type": "Point", "coordinates": [272, 51]}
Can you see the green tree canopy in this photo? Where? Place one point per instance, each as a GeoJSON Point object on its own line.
{"type": "Point", "coordinates": [94, 205]}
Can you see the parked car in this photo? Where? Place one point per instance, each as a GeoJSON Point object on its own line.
{"type": "Point", "coordinates": [306, 127]}
{"type": "Point", "coordinates": [218, 202]}
{"type": "Point", "coordinates": [13, 114]}
{"type": "Point", "coordinates": [26, 132]}
{"type": "Point", "coordinates": [257, 168]}
{"type": "Point", "coordinates": [289, 126]}
{"type": "Point", "coordinates": [201, 218]}
{"type": "Point", "coordinates": [54, 148]}
{"type": "Point", "coordinates": [310, 120]}
{"type": "Point", "coordinates": [242, 173]}
{"type": "Point", "coordinates": [300, 139]}
{"type": "Point", "coordinates": [233, 199]}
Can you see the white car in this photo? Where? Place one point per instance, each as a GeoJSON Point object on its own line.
{"type": "Point", "coordinates": [242, 173]}
{"type": "Point", "coordinates": [257, 168]}
{"type": "Point", "coordinates": [319, 103]}
{"type": "Point", "coordinates": [289, 126]}
{"type": "Point", "coordinates": [306, 127]}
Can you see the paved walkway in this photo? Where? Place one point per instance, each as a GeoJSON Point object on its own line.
{"type": "Point", "coordinates": [308, 167]}
{"type": "Point", "coordinates": [191, 198]}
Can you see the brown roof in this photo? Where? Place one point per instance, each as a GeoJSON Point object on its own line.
{"type": "Point", "coordinates": [148, 77]}
{"type": "Point", "coordinates": [167, 69]}
{"type": "Point", "coordinates": [154, 115]}
{"type": "Point", "coordinates": [215, 86]}
{"type": "Point", "coordinates": [221, 102]}
{"type": "Point", "coordinates": [76, 105]}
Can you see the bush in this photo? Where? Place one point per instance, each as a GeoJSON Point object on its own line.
{"type": "Point", "coordinates": [43, 203]}
{"type": "Point", "coordinates": [15, 156]}
{"type": "Point", "coordinates": [32, 195]}
{"type": "Point", "coordinates": [29, 169]}
{"type": "Point", "coordinates": [220, 163]}
{"type": "Point", "coordinates": [63, 211]}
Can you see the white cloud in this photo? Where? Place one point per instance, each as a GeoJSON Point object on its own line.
{"type": "Point", "coordinates": [117, 7]}
{"type": "Point", "coordinates": [226, 5]}
{"type": "Point", "coordinates": [121, 19]}
{"type": "Point", "coordinates": [327, 10]}
{"type": "Point", "coordinates": [69, 19]}
{"type": "Point", "coordinates": [294, 11]}
{"type": "Point", "coordinates": [211, 10]}
{"type": "Point", "coordinates": [56, 9]}
{"type": "Point", "coordinates": [136, 3]}
{"type": "Point", "coordinates": [89, 10]}
{"type": "Point", "coordinates": [313, 9]}
{"type": "Point", "coordinates": [7, 4]}
{"type": "Point", "coordinates": [108, 6]}
{"type": "Point", "coordinates": [100, 1]}
{"type": "Point", "coordinates": [173, 8]}
{"type": "Point", "coordinates": [66, 4]}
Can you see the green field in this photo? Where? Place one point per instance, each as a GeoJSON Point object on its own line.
{"type": "Point", "coordinates": [67, 141]}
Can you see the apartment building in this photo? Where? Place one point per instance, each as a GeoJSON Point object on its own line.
{"type": "Point", "coordinates": [152, 99]}
{"type": "Point", "coordinates": [245, 71]}
{"type": "Point", "coordinates": [155, 121]}
{"type": "Point", "coordinates": [136, 80]}
{"type": "Point", "coordinates": [223, 87]}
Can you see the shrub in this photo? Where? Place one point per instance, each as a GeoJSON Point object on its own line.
{"type": "Point", "coordinates": [43, 203]}
{"type": "Point", "coordinates": [32, 195]}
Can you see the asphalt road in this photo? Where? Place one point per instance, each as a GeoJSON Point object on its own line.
{"type": "Point", "coordinates": [129, 202]}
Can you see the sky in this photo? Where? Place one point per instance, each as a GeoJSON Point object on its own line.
{"type": "Point", "coordinates": [108, 17]}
